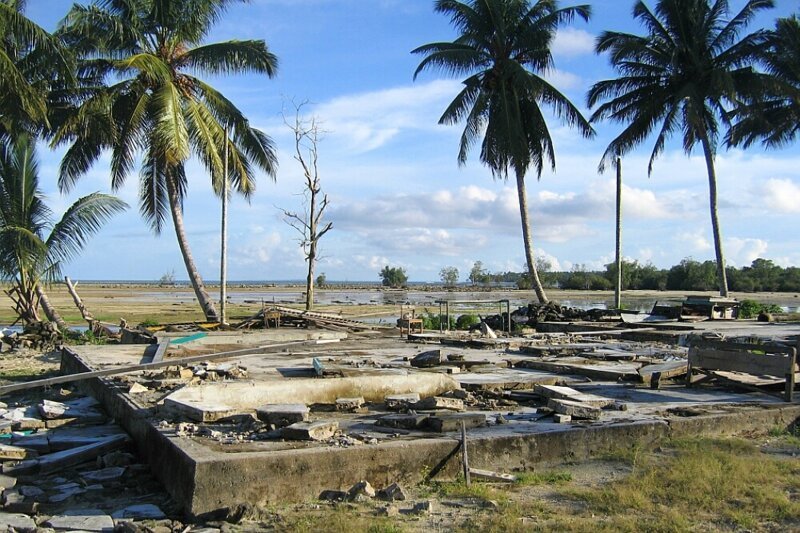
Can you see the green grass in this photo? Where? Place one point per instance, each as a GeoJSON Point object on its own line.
{"type": "Point", "coordinates": [544, 478]}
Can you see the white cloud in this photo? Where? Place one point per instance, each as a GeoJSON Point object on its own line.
{"type": "Point", "coordinates": [694, 241]}
{"type": "Point", "coordinates": [367, 121]}
{"type": "Point", "coordinates": [780, 194]}
{"type": "Point", "coordinates": [573, 42]}
{"type": "Point", "coordinates": [256, 251]}
{"type": "Point", "coordinates": [563, 80]}
{"type": "Point", "coordinates": [742, 252]}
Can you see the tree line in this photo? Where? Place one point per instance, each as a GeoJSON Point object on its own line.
{"type": "Point", "coordinates": [762, 275]}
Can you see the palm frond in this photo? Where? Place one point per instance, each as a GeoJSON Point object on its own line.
{"type": "Point", "coordinates": [233, 57]}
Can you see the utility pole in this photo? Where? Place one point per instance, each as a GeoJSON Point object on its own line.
{"type": "Point", "coordinates": [618, 285]}
{"type": "Point", "coordinates": [223, 263]}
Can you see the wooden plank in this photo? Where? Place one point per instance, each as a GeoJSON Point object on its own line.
{"type": "Point", "coordinates": [464, 457]}
{"type": "Point", "coordinates": [5, 389]}
{"type": "Point", "coordinates": [770, 365]}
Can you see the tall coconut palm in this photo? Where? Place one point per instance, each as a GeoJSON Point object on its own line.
{"type": "Point", "coordinates": [32, 247]}
{"type": "Point", "coordinates": [504, 50]}
{"type": "Point", "coordinates": [156, 107]}
{"type": "Point", "coordinates": [682, 76]}
{"type": "Point", "coordinates": [30, 60]}
{"type": "Point", "coordinates": [773, 116]}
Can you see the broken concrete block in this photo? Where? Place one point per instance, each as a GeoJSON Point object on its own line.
{"type": "Point", "coordinates": [574, 409]}
{"type": "Point", "coordinates": [396, 402]}
{"type": "Point", "coordinates": [393, 492]}
{"type": "Point", "coordinates": [12, 453]}
{"type": "Point", "coordinates": [80, 408]}
{"type": "Point", "coordinates": [137, 388]}
{"type": "Point", "coordinates": [16, 522]}
{"type": "Point", "coordinates": [7, 482]}
{"type": "Point", "coordinates": [81, 519]}
{"type": "Point", "coordinates": [67, 458]}
{"type": "Point", "coordinates": [281, 415]}
{"type": "Point", "coordinates": [144, 511]}
{"type": "Point", "coordinates": [349, 404]}
{"type": "Point", "coordinates": [37, 442]}
{"type": "Point", "coordinates": [199, 410]}
{"type": "Point", "coordinates": [440, 402]}
{"type": "Point", "coordinates": [25, 424]}
{"type": "Point", "coordinates": [65, 492]}
{"type": "Point", "coordinates": [410, 421]}
{"type": "Point", "coordinates": [561, 419]}
{"type": "Point", "coordinates": [32, 492]}
{"type": "Point", "coordinates": [425, 507]}
{"type": "Point", "coordinates": [429, 359]}
{"type": "Point", "coordinates": [115, 458]}
{"type": "Point", "coordinates": [361, 491]}
{"type": "Point", "coordinates": [12, 496]}
{"type": "Point", "coordinates": [487, 331]}
{"type": "Point", "coordinates": [333, 495]}
{"type": "Point", "coordinates": [568, 393]}
{"type": "Point", "coordinates": [390, 511]}
{"type": "Point", "coordinates": [321, 430]}
{"type": "Point", "coordinates": [452, 422]}
{"type": "Point", "coordinates": [104, 474]}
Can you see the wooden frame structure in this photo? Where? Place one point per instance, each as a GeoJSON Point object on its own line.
{"type": "Point", "coordinates": [773, 359]}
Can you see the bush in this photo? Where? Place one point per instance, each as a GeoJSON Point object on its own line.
{"type": "Point", "coordinates": [431, 321]}
{"type": "Point", "coordinates": [467, 321]}
{"type": "Point", "coordinates": [752, 308]}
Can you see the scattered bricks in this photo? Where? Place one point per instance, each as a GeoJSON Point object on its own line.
{"type": "Point", "coordinates": [360, 492]}
{"type": "Point", "coordinates": [452, 422]}
{"type": "Point", "coordinates": [440, 402]}
{"type": "Point", "coordinates": [322, 430]}
{"type": "Point", "coordinates": [574, 409]}
{"type": "Point", "coordinates": [393, 492]}
{"type": "Point", "coordinates": [333, 495]}
{"type": "Point", "coordinates": [397, 402]}
{"type": "Point", "coordinates": [349, 404]}
{"type": "Point", "coordinates": [561, 419]}
{"type": "Point", "coordinates": [429, 359]}
{"type": "Point", "coordinates": [281, 415]}
{"type": "Point", "coordinates": [402, 421]}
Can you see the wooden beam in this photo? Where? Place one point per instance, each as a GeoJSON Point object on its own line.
{"type": "Point", "coordinates": [153, 365]}
{"type": "Point", "coordinates": [731, 361]}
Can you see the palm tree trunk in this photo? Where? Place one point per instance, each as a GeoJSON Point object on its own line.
{"type": "Point", "coordinates": [206, 303]}
{"type": "Point", "coordinates": [618, 251]}
{"type": "Point", "coordinates": [722, 277]}
{"type": "Point", "coordinates": [528, 241]}
{"type": "Point", "coordinates": [50, 311]}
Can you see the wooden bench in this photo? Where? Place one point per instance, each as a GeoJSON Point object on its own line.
{"type": "Point", "coordinates": [777, 360]}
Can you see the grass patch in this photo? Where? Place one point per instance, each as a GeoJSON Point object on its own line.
{"type": "Point", "coordinates": [22, 374]}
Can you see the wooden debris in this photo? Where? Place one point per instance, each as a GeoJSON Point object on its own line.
{"type": "Point", "coordinates": [671, 369]}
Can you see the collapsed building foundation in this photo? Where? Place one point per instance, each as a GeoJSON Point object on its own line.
{"type": "Point", "coordinates": [288, 424]}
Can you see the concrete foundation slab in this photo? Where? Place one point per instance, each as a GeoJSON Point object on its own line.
{"type": "Point", "coordinates": [205, 475]}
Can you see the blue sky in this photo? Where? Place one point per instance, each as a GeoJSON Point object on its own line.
{"type": "Point", "coordinates": [397, 194]}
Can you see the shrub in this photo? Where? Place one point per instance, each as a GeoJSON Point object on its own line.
{"type": "Point", "coordinates": [467, 321]}
{"type": "Point", "coordinates": [752, 308]}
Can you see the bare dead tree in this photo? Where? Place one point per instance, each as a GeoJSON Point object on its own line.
{"type": "Point", "coordinates": [308, 223]}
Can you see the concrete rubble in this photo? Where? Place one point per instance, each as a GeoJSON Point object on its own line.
{"type": "Point", "coordinates": [394, 402]}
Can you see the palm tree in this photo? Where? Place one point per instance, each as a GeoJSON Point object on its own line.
{"type": "Point", "coordinates": [504, 50]}
{"type": "Point", "coordinates": [682, 76]}
{"type": "Point", "coordinates": [32, 248]}
{"type": "Point", "coordinates": [30, 61]}
{"type": "Point", "coordinates": [774, 115]}
{"type": "Point", "coordinates": [155, 109]}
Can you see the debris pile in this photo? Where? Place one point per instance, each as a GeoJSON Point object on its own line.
{"type": "Point", "coordinates": [65, 467]}
{"type": "Point", "coordinates": [42, 336]}
{"type": "Point", "coordinates": [532, 314]}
